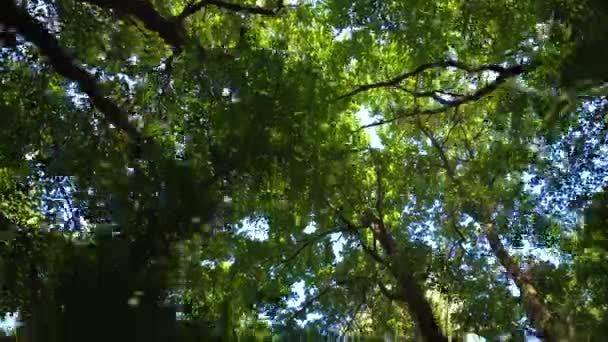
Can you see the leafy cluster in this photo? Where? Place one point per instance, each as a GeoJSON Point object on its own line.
{"type": "Point", "coordinates": [200, 170]}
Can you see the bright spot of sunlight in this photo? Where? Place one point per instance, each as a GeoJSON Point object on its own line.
{"type": "Point", "coordinates": [367, 119]}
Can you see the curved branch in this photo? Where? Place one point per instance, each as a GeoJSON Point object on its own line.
{"type": "Point", "coordinates": [388, 294]}
{"type": "Point", "coordinates": [308, 242]}
{"type": "Point", "coordinates": [309, 302]}
{"type": "Point", "coordinates": [197, 6]}
{"type": "Point", "coordinates": [433, 94]}
{"type": "Point", "coordinates": [428, 66]}
{"type": "Point", "coordinates": [170, 30]}
{"type": "Point", "coordinates": [535, 305]}
{"type": "Point", "coordinates": [477, 95]}
{"type": "Point", "coordinates": [411, 292]}
{"type": "Point", "coordinates": [373, 254]}
{"type": "Point", "coordinates": [439, 147]}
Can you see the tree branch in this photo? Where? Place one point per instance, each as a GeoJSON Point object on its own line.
{"type": "Point", "coordinates": [355, 230]}
{"type": "Point", "coordinates": [13, 16]}
{"type": "Point", "coordinates": [388, 294]}
{"type": "Point", "coordinates": [309, 302]}
{"type": "Point", "coordinates": [535, 306]}
{"type": "Point", "coordinates": [437, 145]}
{"type": "Point", "coordinates": [505, 75]}
{"type": "Point", "coordinates": [394, 82]}
{"type": "Point", "coordinates": [433, 94]}
{"type": "Point", "coordinates": [309, 242]}
{"type": "Point", "coordinates": [373, 254]}
{"type": "Point", "coordinates": [170, 30]}
{"type": "Point", "coordinates": [194, 7]}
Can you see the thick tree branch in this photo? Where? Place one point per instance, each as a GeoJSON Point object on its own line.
{"type": "Point", "coordinates": [410, 291]}
{"type": "Point", "coordinates": [198, 5]}
{"type": "Point", "coordinates": [433, 94]}
{"type": "Point", "coordinates": [352, 228]}
{"type": "Point", "coordinates": [13, 16]}
{"type": "Point", "coordinates": [537, 310]}
{"type": "Point", "coordinates": [389, 294]}
{"type": "Point", "coordinates": [65, 65]}
{"type": "Point", "coordinates": [170, 30]}
{"type": "Point", "coordinates": [374, 255]}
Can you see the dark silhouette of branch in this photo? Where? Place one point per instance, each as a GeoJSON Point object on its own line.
{"type": "Point", "coordinates": [13, 16]}
{"type": "Point", "coordinates": [433, 94]}
{"type": "Point", "coordinates": [535, 305]}
{"type": "Point", "coordinates": [374, 255]}
{"type": "Point", "coordinates": [394, 82]}
{"type": "Point", "coordinates": [349, 224]}
{"type": "Point", "coordinates": [310, 241]}
{"type": "Point", "coordinates": [354, 229]}
{"type": "Point", "coordinates": [388, 293]}
{"type": "Point", "coordinates": [64, 64]}
{"type": "Point", "coordinates": [507, 74]}
{"type": "Point", "coordinates": [449, 93]}
{"type": "Point", "coordinates": [194, 7]}
{"type": "Point", "coordinates": [169, 29]}
{"type": "Point", "coordinates": [439, 147]}
{"type": "Point", "coordinates": [309, 302]}
{"type": "Point", "coordinates": [412, 293]}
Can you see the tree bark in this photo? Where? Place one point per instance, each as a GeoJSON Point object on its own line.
{"type": "Point", "coordinates": [536, 309]}
{"type": "Point", "coordinates": [409, 290]}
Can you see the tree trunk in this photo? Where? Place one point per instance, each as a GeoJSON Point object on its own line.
{"type": "Point", "coordinates": [409, 290]}
{"type": "Point", "coordinates": [535, 307]}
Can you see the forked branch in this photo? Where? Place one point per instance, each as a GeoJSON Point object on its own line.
{"type": "Point", "coordinates": [396, 81]}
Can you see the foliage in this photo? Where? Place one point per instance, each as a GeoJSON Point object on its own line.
{"type": "Point", "coordinates": [210, 157]}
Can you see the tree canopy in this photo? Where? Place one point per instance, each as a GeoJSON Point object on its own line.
{"type": "Point", "coordinates": [192, 170]}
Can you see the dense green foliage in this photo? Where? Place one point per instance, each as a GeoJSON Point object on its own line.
{"type": "Point", "coordinates": [406, 167]}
